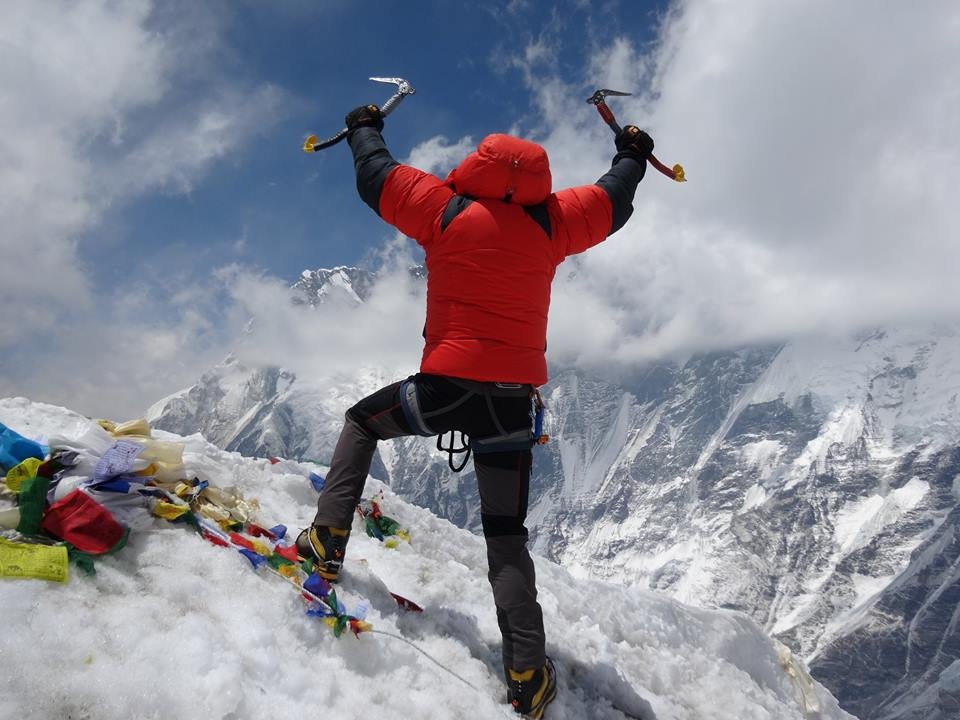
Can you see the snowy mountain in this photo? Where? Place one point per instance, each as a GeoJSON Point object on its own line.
{"type": "Point", "coordinates": [812, 485]}
{"type": "Point", "coordinates": [172, 626]}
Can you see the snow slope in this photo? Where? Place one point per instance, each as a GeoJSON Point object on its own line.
{"type": "Point", "coordinates": [812, 485]}
{"type": "Point", "coordinates": [174, 627]}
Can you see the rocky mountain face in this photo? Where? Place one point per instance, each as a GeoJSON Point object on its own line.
{"type": "Point", "coordinates": [812, 485]}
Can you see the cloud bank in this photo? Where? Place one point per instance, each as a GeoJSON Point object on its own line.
{"type": "Point", "coordinates": [94, 115]}
{"type": "Point", "coordinates": [819, 141]}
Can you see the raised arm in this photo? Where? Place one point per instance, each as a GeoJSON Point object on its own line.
{"type": "Point", "coordinates": [585, 216]}
{"type": "Point", "coordinates": [409, 199]}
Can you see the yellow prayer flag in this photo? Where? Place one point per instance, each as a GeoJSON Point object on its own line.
{"type": "Point", "coordinates": [260, 549]}
{"type": "Point", "coordinates": [161, 451]}
{"type": "Point", "coordinates": [22, 560]}
{"type": "Point", "coordinates": [169, 511]}
{"type": "Point", "coordinates": [17, 474]}
{"type": "Point", "coordinates": [290, 571]}
{"type": "Point", "coordinates": [149, 471]}
{"type": "Point", "coordinates": [222, 517]}
{"type": "Point", "coordinates": [138, 427]}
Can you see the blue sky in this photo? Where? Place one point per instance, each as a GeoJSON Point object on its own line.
{"type": "Point", "coordinates": [270, 205]}
{"type": "Point", "coordinates": [154, 198]}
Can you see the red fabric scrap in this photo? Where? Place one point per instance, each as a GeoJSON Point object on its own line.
{"type": "Point", "coordinates": [84, 523]}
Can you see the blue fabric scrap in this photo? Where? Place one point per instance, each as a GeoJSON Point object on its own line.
{"type": "Point", "coordinates": [14, 449]}
{"type": "Point", "coordinates": [317, 481]}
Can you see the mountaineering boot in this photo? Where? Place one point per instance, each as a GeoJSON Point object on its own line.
{"type": "Point", "coordinates": [325, 546]}
{"type": "Point", "coordinates": [530, 691]}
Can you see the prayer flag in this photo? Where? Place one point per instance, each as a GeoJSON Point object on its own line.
{"type": "Point", "coordinates": [22, 560]}
{"type": "Point", "coordinates": [255, 560]}
{"type": "Point", "coordinates": [26, 469]}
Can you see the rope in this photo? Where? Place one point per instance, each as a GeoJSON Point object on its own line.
{"type": "Point", "coordinates": [303, 591]}
{"type": "Point", "coordinates": [439, 664]}
{"type": "Point", "coordinates": [426, 655]}
{"type": "Point", "coordinates": [395, 636]}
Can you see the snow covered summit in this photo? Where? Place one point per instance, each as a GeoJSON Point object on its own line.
{"type": "Point", "coordinates": [173, 627]}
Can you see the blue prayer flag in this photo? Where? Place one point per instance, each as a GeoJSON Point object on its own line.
{"type": "Point", "coordinates": [317, 481]}
{"type": "Point", "coordinates": [255, 559]}
{"type": "Point", "coordinates": [316, 585]}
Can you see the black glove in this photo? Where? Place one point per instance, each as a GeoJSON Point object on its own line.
{"type": "Point", "coordinates": [633, 142]}
{"type": "Point", "coordinates": [364, 116]}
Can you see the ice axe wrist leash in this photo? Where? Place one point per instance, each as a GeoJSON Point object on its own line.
{"type": "Point", "coordinates": [599, 99]}
{"type": "Point", "coordinates": [312, 144]}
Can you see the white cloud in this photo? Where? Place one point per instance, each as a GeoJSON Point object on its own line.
{"type": "Point", "coordinates": [438, 155]}
{"type": "Point", "coordinates": [93, 114]}
{"type": "Point", "coordinates": [333, 338]}
{"type": "Point", "coordinates": [174, 155]}
{"type": "Point", "coordinates": [819, 139]}
{"type": "Point", "coordinates": [114, 362]}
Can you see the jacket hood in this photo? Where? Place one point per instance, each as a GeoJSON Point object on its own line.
{"type": "Point", "coordinates": [504, 167]}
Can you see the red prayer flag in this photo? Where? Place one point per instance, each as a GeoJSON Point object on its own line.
{"type": "Point", "coordinates": [215, 539]}
{"type": "Point", "coordinates": [287, 553]}
{"type": "Point", "coordinates": [83, 522]}
{"type": "Point", "coordinates": [240, 540]}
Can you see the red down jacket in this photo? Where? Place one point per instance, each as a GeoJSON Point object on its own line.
{"type": "Point", "coordinates": [493, 233]}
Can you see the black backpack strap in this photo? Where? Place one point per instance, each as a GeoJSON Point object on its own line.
{"type": "Point", "coordinates": [539, 214]}
{"type": "Point", "coordinates": [457, 204]}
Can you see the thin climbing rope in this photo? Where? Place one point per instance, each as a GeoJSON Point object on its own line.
{"type": "Point", "coordinates": [303, 591]}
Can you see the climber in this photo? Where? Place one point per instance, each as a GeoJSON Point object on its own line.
{"type": "Point", "coordinates": [493, 233]}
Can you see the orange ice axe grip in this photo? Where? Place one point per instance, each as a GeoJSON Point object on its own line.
{"type": "Point", "coordinates": [598, 99]}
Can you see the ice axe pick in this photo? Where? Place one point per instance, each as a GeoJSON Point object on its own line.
{"type": "Point", "coordinates": [599, 98]}
{"type": "Point", "coordinates": [312, 144]}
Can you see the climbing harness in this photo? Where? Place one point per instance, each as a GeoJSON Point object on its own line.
{"type": "Point", "coordinates": [503, 441]}
{"type": "Point", "coordinates": [453, 451]}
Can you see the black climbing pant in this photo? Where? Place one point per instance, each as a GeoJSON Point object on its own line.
{"type": "Point", "coordinates": [481, 410]}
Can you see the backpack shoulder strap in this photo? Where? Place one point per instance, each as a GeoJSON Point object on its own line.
{"type": "Point", "coordinates": [539, 214]}
{"type": "Point", "coordinates": [457, 204]}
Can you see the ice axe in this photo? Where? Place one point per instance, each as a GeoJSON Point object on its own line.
{"type": "Point", "coordinates": [599, 99]}
{"type": "Point", "coordinates": [312, 144]}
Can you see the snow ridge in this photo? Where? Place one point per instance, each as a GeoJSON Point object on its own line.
{"type": "Point", "coordinates": [235, 644]}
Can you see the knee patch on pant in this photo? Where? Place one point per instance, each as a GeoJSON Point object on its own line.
{"type": "Point", "coordinates": [502, 525]}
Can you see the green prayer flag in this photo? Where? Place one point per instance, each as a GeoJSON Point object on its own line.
{"type": "Point", "coordinates": [389, 526]}
{"type": "Point", "coordinates": [83, 560]}
{"type": "Point", "coordinates": [32, 500]}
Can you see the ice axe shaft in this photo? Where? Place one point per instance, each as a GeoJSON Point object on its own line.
{"type": "Point", "coordinates": [312, 144]}
{"type": "Point", "coordinates": [599, 100]}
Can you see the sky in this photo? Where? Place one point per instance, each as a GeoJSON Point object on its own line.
{"type": "Point", "coordinates": [154, 198]}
